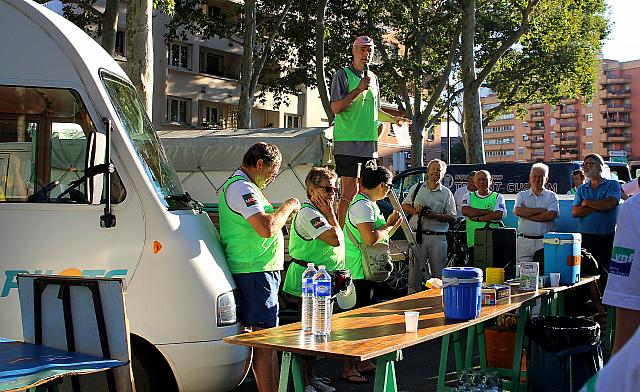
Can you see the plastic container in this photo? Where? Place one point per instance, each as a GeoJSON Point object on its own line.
{"type": "Point", "coordinates": [307, 297]}
{"type": "Point", "coordinates": [321, 325]}
{"type": "Point", "coordinates": [494, 275]}
{"type": "Point", "coordinates": [562, 254]}
{"type": "Point", "coordinates": [462, 292]}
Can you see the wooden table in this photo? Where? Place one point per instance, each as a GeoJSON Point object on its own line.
{"type": "Point", "coordinates": [377, 331]}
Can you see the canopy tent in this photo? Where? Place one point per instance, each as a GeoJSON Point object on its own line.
{"type": "Point", "coordinates": [204, 159]}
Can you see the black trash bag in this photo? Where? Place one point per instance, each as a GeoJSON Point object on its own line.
{"type": "Point", "coordinates": [564, 352]}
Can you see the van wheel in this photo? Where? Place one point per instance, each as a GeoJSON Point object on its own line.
{"type": "Point", "coordinates": [399, 278]}
{"type": "Point", "coordinates": [150, 371]}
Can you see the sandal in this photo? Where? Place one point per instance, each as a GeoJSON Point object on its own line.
{"type": "Point", "coordinates": [354, 379]}
{"type": "Point", "coordinates": [367, 368]}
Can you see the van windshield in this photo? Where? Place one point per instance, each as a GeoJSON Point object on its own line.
{"type": "Point", "coordinates": [135, 122]}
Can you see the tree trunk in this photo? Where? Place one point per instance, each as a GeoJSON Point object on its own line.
{"type": "Point", "coordinates": [320, 69]}
{"type": "Point", "coordinates": [245, 105]}
{"type": "Point", "coordinates": [417, 142]}
{"type": "Point", "coordinates": [140, 49]}
{"type": "Point", "coordinates": [110, 26]}
{"type": "Point", "coordinates": [472, 117]}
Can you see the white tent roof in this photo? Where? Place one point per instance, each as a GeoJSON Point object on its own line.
{"type": "Point", "coordinates": [218, 150]}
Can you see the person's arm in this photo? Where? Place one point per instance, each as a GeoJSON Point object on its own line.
{"type": "Point", "coordinates": [370, 235]}
{"type": "Point", "coordinates": [397, 120]}
{"type": "Point", "coordinates": [341, 84]}
{"type": "Point", "coordinates": [627, 322]}
{"type": "Point", "coordinates": [580, 211]}
{"type": "Point", "coordinates": [607, 204]}
{"type": "Point", "coordinates": [546, 216]}
{"type": "Point", "coordinates": [408, 205]}
{"type": "Point", "coordinates": [267, 225]}
{"type": "Point", "coordinates": [526, 212]}
{"type": "Point", "coordinates": [490, 217]}
{"type": "Point", "coordinates": [332, 235]}
{"type": "Point", "coordinates": [449, 214]}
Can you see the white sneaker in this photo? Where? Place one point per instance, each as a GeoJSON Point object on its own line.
{"type": "Point", "coordinates": [320, 384]}
{"type": "Point", "coordinates": [309, 388]}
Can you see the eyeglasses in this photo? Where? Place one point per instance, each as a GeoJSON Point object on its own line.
{"type": "Point", "coordinates": [328, 189]}
{"type": "Point", "coordinates": [589, 163]}
{"type": "Point", "coordinates": [389, 184]}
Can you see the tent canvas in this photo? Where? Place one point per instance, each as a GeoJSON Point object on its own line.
{"type": "Point", "coordinates": [204, 159]}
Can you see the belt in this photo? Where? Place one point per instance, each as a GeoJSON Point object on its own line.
{"type": "Point", "coordinates": [531, 237]}
{"type": "Point", "coordinates": [429, 232]}
{"type": "Point", "coordinates": [299, 262]}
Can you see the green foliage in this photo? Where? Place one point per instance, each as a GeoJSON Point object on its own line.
{"type": "Point", "coordinates": [79, 14]}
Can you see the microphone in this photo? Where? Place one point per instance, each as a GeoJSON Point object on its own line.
{"type": "Point", "coordinates": [365, 69]}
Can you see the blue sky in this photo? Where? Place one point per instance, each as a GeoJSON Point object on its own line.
{"type": "Point", "coordinates": [622, 44]}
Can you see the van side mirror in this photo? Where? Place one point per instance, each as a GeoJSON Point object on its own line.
{"type": "Point", "coordinates": [96, 151]}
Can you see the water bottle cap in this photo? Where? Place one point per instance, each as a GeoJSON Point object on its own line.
{"type": "Point", "coordinates": [322, 267]}
{"type": "Point", "coordinates": [310, 265]}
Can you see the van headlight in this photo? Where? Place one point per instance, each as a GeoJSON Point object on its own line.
{"type": "Point", "coordinates": [226, 309]}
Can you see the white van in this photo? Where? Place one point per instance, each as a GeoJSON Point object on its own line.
{"type": "Point", "coordinates": [60, 94]}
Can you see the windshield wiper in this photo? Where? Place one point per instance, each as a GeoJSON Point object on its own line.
{"type": "Point", "coordinates": [186, 198]}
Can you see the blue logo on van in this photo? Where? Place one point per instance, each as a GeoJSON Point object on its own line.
{"type": "Point", "coordinates": [10, 281]}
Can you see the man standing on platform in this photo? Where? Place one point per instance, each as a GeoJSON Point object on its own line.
{"type": "Point", "coordinates": [251, 235]}
{"type": "Point", "coordinates": [461, 192]}
{"type": "Point", "coordinates": [355, 100]}
{"type": "Point", "coordinates": [536, 209]}
{"type": "Point", "coordinates": [481, 206]}
{"type": "Point", "coordinates": [577, 177]}
{"type": "Point", "coordinates": [431, 211]}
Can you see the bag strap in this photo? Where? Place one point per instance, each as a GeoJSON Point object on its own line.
{"type": "Point", "coordinates": [415, 192]}
{"type": "Point", "coordinates": [499, 223]}
{"type": "Point", "coordinates": [352, 237]}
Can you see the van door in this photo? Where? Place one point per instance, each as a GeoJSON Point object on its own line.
{"type": "Point", "coordinates": [47, 228]}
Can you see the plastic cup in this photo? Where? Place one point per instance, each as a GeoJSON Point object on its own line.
{"type": "Point", "coordinates": [411, 321]}
{"type": "Point", "coordinates": [555, 279]}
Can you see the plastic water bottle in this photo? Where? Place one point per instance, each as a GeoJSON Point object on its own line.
{"type": "Point", "coordinates": [307, 297]}
{"type": "Point", "coordinates": [321, 303]}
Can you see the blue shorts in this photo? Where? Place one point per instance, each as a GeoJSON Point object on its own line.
{"type": "Point", "coordinates": [258, 298]}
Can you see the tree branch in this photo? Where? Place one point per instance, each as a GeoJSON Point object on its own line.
{"type": "Point", "coordinates": [267, 47]}
{"type": "Point", "coordinates": [84, 6]}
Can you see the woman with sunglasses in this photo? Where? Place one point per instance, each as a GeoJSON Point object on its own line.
{"type": "Point", "coordinates": [315, 238]}
{"type": "Point", "coordinates": [368, 226]}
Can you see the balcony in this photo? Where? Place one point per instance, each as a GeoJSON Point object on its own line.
{"type": "Point", "coordinates": [537, 105]}
{"type": "Point", "coordinates": [566, 141]}
{"type": "Point", "coordinates": [536, 143]}
{"type": "Point", "coordinates": [537, 154]}
{"type": "Point", "coordinates": [604, 94]}
{"type": "Point", "coordinates": [537, 116]}
{"type": "Point", "coordinates": [567, 114]}
{"type": "Point", "coordinates": [626, 108]}
{"type": "Point", "coordinates": [567, 127]}
{"type": "Point", "coordinates": [616, 123]}
{"type": "Point", "coordinates": [618, 80]}
{"type": "Point", "coordinates": [616, 137]}
{"type": "Point", "coordinates": [565, 155]}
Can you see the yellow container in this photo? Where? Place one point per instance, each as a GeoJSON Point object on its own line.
{"type": "Point", "coordinates": [494, 275]}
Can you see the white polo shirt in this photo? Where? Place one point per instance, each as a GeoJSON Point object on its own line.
{"type": "Point", "coordinates": [547, 200]}
{"type": "Point", "coordinates": [458, 196]}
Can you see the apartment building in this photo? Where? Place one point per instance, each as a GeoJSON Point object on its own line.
{"type": "Point", "coordinates": [572, 129]}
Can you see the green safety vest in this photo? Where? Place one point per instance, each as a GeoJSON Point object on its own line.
{"type": "Point", "coordinates": [359, 122]}
{"type": "Point", "coordinates": [353, 257]}
{"type": "Point", "coordinates": [487, 203]}
{"type": "Point", "coordinates": [246, 250]}
{"type": "Point", "coordinates": [313, 251]}
{"type": "Point", "coordinates": [573, 191]}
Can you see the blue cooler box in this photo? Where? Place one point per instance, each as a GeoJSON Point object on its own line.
{"type": "Point", "coordinates": [562, 254]}
{"type": "Point", "coordinates": [462, 292]}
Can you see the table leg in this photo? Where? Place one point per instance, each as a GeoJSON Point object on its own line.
{"type": "Point", "coordinates": [290, 365]}
{"type": "Point", "coordinates": [482, 345]}
{"type": "Point", "coordinates": [468, 354]}
{"type": "Point", "coordinates": [457, 350]}
{"type": "Point", "coordinates": [444, 356]}
{"type": "Point", "coordinates": [519, 343]}
{"type": "Point", "coordinates": [386, 372]}
{"type": "Point", "coordinates": [554, 304]}
{"type": "Point", "coordinates": [561, 304]}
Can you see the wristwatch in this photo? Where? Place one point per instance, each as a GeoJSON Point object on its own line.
{"type": "Point", "coordinates": [478, 218]}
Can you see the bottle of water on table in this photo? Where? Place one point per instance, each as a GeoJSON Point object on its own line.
{"type": "Point", "coordinates": [321, 303]}
{"type": "Point", "coordinates": [307, 297]}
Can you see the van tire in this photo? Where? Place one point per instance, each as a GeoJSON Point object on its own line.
{"type": "Point", "coordinates": [151, 372]}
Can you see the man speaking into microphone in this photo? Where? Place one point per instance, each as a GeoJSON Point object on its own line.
{"type": "Point", "coordinates": [355, 101]}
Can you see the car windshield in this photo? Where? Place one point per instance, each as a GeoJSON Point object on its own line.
{"type": "Point", "coordinates": [146, 143]}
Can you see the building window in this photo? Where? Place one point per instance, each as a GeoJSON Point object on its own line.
{"type": "Point", "coordinates": [588, 116]}
{"type": "Point", "coordinates": [212, 64]}
{"type": "Point", "coordinates": [504, 140]}
{"type": "Point", "coordinates": [178, 110]}
{"type": "Point", "coordinates": [525, 137]}
{"type": "Point", "coordinates": [120, 48]}
{"type": "Point", "coordinates": [213, 11]}
{"type": "Point", "coordinates": [588, 131]}
{"type": "Point", "coordinates": [209, 116]}
{"type": "Point", "coordinates": [500, 153]}
{"type": "Point", "coordinates": [502, 128]}
{"type": "Point", "coordinates": [520, 150]}
{"type": "Point", "coordinates": [589, 145]}
{"type": "Point", "coordinates": [180, 56]}
{"type": "Point", "coordinates": [590, 104]}
{"type": "Point", "coordinates": [291, 121]}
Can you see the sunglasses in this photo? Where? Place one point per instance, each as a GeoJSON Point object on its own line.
{"type": "Point", "coordinates": [328, 189]}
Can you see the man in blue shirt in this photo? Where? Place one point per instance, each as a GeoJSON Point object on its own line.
{"type": "Point", "coordinates": [596, 207]}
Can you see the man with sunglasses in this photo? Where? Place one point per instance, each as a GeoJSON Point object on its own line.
{"type": "Point", "coordinates": [251, 235]}
{"type": "Point", "coordinates": [432, 209]}
{"type": "Point", "coordinates": [355, 100]}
